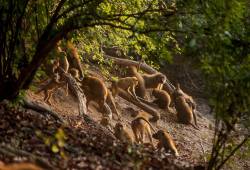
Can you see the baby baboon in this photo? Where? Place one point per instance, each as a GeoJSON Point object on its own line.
{"type": "Point", "coordinates": [75, 73]}
{"type": "Point", "coordinates": [154, 80]}
{"type": "Point", "coordinates": [166, 141]}
{"type": "Point", "coordinates": [189, 100]}
{"type": "Point", "coordinates": [162, 99]}
{"type": "Point", "coordinates": [49, 88]}
{"type": "Point", "coordinates": [184, 112]}
{"type": "Point", "coordinates": [140, 127]}
{"type": "Point", "coordinates": [127, 84]}
{"type": "Point", "coordinates": [105, 121]}
{"type": "Point", "coordinates": [122, 134]}
{"type": "Point", "coordinates": [96, 90]}
{"type": "Point", "coordinates": [140, 88]}
{"type": "Point", "coordinates": [61, 58]}
{"type": "Point", "coordinates": [55, 65]}
{"type": "Point", "coordinates": [179, 92]}
{"type": "Point", "coordinates": [74, 58]}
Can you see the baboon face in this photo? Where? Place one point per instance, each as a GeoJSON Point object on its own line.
{"type": "Point", "coordinates": [135, 113]}
{"type": "Point", "coordinates": [74, 72]}
{"type": "Point", "coordinates": [135, 80]}
{"type": "Point", "coordinates": [118, 126]}
{"type": "Point", "coordinates": [162, 78]}
{"type": "Point", "coordinates": [158, 134]}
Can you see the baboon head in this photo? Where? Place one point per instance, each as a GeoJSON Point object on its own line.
{"type": "Point", "coordinates": [135, 80]}
{"type": "Point", "coordinates": [118, 126]}
{"type": "Point", "coordinates": [161, 78]}
{"type": "Point", "coordinates": [158, 134]}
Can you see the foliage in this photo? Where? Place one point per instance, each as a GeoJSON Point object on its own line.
{"type": "Point", "coordinates": [221, 44]}
{"type": "Point", "coordinates": [55, 142]}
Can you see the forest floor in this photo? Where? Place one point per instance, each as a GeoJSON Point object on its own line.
{"type": "Point", "coordinates": [89, 147]}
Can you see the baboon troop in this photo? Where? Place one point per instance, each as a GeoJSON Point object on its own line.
{"type": "Point", "coordinates": [137, 85]}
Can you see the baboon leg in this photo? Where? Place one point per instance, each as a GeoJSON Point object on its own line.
{"type": "Point", "coordinates": [111, 102]}
{"type": "Point", "coordinates": [150, 136]}
{"type": "Point", "coordinates": [46, 95]}
{"type": "Point", "coordinates": [132, 94]}
{"type": "Point", "coordinates": [136, 135]}
{"type": "Point", "coordinates": [142, 136]}
{"type": "Point", "coordinates": [49, 93]}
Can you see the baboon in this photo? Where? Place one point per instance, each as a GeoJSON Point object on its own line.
{"type": "Point", "coordinates": [140, 127]}
{"type": "Point", "coordinates": [140, 88]}
{"type": "Point", "coordinates": [179, 92]}
{"type": "Point", "coordinates": [75, 73]}
{"type": "Point", "coordinates": [20, 166]}
{"type": "Point", "coordinates": [122, 134]}
{"type": "Point", "coordinates": [162, 99]}
{"type": "Point", "coordinates": [185, 113]}
{"type": "Point", "coordinates": [55, 65]}
{"type": "Point", "coordinates": [127, 84]}
{"type": "Point", "coordinates": [154, 80]}
{"type": "Point", "coordinates": [105, 121]}
{"type": "Point", "coordinates": [62, 58]}
{"type": "Point", "coordinates": [52, 85]}
{"type": "Point", "coordinates": [96, 90]}
{"type": "Point", "coordinates": [74, 58]}
{"type": "Point", "coordinates": [166, 141]}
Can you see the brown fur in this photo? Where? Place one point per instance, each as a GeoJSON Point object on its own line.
{"type": "Point", "coordinates": [122, 134]}
{"type": "Point", "coordinates": [188, 99]}
{"type": "Point", "coordinates": [140, 127]}
{"type": "Point", "coordinates": [55, 65]}
{"type": "Point", "coordinates": [184, 112]}
{"type": "Point", "coordinates": [166, 141]}
{"type": "Point", "coordinates": [140, 88]}
{"type": "Point", "coordinates": [96, 90]}
{"type": "Point", "coordinates": [75, 73]}
{"type": "Point", "coordinates": [162, 99]}
{"type": "Point", "coordinates": [127, 84]}
{"type": "Point", "coordinates": [106, 122]}
{"type": "Point", "coordinates": [51, 86]}
{"type": "Point", "coordinates": [74, 58]}
{"type": "Point", "coordinates": [154, 80]}
{"type": "Point", "coordinates": [20, 166]}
